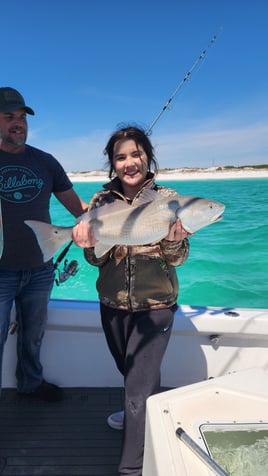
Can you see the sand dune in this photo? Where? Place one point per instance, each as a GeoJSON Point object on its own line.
{"type": "Point", "coordinates": [180, 174]}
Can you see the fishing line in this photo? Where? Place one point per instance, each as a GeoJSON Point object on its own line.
{"type": "Point", "coordinates": [182, 82]}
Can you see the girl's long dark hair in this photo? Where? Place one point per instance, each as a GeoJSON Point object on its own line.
{"type": "Point", "coordinates": [139, 136]}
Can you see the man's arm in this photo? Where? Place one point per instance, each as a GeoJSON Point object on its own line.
{"type": "Point", "coordinates": [70, 200]}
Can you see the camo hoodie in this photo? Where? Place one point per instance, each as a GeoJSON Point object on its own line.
{"type": "Point", "coordinates": [142, 277]}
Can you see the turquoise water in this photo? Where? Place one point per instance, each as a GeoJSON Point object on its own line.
{"type": "Point", "coordinates": [228, 262]}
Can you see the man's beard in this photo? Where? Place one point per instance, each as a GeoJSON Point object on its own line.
{"type": "Point", "coordinates": [13, 139]}
{"type": "Point", "coordinates": [18, 141]}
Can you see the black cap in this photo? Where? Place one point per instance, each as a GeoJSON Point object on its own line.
{"type": "Point", "coordinates": [11, 99]}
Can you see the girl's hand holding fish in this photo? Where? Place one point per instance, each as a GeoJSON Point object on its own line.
{"type": "Point", "coordinates": [82, 235]}
{"type": "Point", "coordinates": [177, 232]}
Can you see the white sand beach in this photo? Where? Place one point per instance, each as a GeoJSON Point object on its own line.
{"type": "Point", "coordinates": [180, 174]}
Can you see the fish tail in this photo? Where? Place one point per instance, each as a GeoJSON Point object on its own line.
{"type": "Point", "coordinates": [50, 238]}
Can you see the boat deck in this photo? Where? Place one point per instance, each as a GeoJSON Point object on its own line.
{"type": "Point", "coordinates": [68, 438]}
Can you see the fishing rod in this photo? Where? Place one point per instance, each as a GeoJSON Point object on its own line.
{"type": "Point", "coordinates": [182, 82]}
{"type": "Point", "coordinates": [71, 268]}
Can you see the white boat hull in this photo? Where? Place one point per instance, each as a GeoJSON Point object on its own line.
{"type": "Point", "coordinates": [236, 400]}
{"type": "Point", "coordinates": [207, 362]}
{"type": "Point", "coordinates": [206, 342]}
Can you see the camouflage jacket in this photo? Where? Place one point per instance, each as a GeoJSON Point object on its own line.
{"type": "Point", "coordinates": [142, 277]}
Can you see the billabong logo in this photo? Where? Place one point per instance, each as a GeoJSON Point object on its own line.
{"type": "Point", "coordinates": [19, 184]}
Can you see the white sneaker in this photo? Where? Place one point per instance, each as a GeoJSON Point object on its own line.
{"type": "Point", "coordinates": [116, 420]}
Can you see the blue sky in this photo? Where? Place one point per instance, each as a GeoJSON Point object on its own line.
{"type": "Point", "coordinates": [85, 66]}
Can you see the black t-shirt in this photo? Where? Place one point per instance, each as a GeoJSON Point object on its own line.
{"type": "Point", "coordinates": [27, 181]}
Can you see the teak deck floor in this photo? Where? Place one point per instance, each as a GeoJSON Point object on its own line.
{"type": "Point", "coordinates": [68, 438]}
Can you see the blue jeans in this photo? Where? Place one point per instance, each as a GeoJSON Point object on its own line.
{"type": "Point", "coordinates": [31, 292]}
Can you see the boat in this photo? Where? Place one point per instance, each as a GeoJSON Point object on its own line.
{"type": "Point", "coordinates": [219, 426]}
{"type": "Point", "coordinates": [212, 351]}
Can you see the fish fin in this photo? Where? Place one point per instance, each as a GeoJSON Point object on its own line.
{"type": "Point", "coordinates": [1, 232]}
{"type": "Point", "coordinates": [50, 238]}
{"type": "Point", "coordinates": [147, 195]}
{"type": "Point", "coordinates": [101, 249]}
{"type": "Point", "coordinates": [103, 210]}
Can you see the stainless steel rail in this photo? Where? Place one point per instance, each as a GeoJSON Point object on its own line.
{"type": "Point", "coordinates": [202, 455]}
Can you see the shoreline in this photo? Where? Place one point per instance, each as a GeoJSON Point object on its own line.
{"type": "Point", "coordinates": [177, 175]}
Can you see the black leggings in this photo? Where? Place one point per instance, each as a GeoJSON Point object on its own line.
{"type": "Point", "coordinates": [137, 341]}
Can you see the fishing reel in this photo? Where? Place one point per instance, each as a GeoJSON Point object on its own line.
{"type": "Point", "coordinates": [69, 269]}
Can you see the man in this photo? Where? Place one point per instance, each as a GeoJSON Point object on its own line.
{"type": "Point", "coordinates": [28, 177]}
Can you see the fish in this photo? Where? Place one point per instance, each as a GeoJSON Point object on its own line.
{"type": "Point", "coordinates": [119, 223]}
